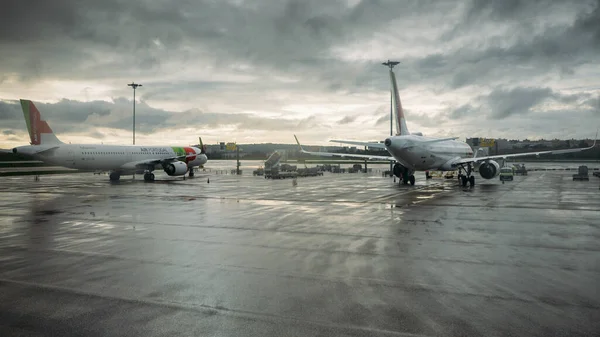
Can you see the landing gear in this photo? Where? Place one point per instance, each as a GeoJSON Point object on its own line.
{"type": "Point", "coordinates": [410, 179]}
{"type": "Point", "coordinates": [191, 170]}
{"type": "Point", "coordinates": [148, 176]}
{"type": "Point", "coordinates": [114, 176]}
{"type": "Point", "coordinates": [468, 178]}
{"type": "Point", "coordinates": [403, 173]}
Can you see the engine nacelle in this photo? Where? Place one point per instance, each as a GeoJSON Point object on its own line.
{"type": "Point", "coordinates": [489, 170]}
{"type": "Point", "coordinates": [176, 168]}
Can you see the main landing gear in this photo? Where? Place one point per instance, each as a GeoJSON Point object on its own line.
{"type": "Point", "coordinates": [404, 174]}
{"type": "Point", "coordinates": [408, 179]}
{"type": "Point", "coordinates": [191, 172]}
{"type": "Point", "coordinates": [468, 178]}
{"type": "Point", "coordinates": [114, 176]}
{"type": "Point", "coordinates": [148, 176]}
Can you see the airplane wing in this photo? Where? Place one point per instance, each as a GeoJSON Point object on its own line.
{"type": "Point", "coordinates": [150, 162]}
{"type": "Point", "coordinates": [353, 142]}
{"type": "Point", "coordinates": [382, 146]}
{"type": "Point", "coordinates": [343, 155]}
{"type": "Point", "coordinates": [504, 156]}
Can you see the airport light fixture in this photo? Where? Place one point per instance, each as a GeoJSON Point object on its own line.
{"type": "Point", "coordinates": [391, 65]}
{"type": "Point", "coordinates": [134, 86]}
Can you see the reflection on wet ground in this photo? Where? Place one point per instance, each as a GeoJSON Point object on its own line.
{"type": "Point", "coordinates": [341, 255]}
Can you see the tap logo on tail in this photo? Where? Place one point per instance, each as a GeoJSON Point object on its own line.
{"type": "Point", "coordinates": [39, 130]}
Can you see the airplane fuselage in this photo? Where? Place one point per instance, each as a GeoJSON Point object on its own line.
{"type": "Point", "coordinates": [419, 153]}
{"type": "Point", "coordinates": [108, 157]}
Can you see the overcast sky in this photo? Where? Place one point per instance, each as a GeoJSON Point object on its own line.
{"type": "Point", "coordinates": [262, 70]}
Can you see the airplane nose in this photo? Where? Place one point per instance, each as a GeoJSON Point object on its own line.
{"type": "Point", "coordinates": [388, 142]}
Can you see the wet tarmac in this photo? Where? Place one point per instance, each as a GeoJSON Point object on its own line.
{"type": "Point", "coordinates": [338, 255]}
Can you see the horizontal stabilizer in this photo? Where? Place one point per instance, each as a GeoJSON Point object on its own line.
{"type": "Point", "coordinates": [354, 142]}
{"type": "Point", "coordinates": [344, 155]}
{"type": "Point", "coordinates": [439, 140]}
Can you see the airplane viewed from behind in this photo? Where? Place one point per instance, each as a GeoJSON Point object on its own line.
{"type": "Point", "coordinates": [415, 152]}
{"type": "Point", "coordinates": [118, 159]}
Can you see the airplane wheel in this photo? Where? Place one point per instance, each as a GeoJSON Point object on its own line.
{"type": "Point", "coordinates": [149, 176]}
{"type": "Point", "coordinates": [191, 174]}
{"type": "Point", "coordinates": [114, 176]}
{"type": "Point", "coordinates": [472, 181]}
{"type": "Point", "coordinates": [463, 181]}
{"type": "Point", "coordinates": [411, 179]}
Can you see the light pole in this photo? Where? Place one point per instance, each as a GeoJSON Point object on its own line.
{"type": "Point", "coordinates": [391, 64]}
{"type": "Point", "coordinates": [134, 86]}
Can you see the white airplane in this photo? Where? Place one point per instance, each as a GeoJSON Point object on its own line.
{"type": "Point", "coordinates": [415, 152]}
{"type": "Point", "coordinates": [118, 159]}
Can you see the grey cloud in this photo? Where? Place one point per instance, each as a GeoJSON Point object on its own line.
{"type": "Point", "coordinates": [504, 103]}
{"type": "Point", "coordinates": [97, 135]}
{"type": "Point", "coordinates": [463, 111]}
{"type": "Point", "coordinates": [115, 41]}
{"type": "Point", "coordinates": [8, 132]}
{"type": "Point", "coordinates": [293, 36]}
{"type": "Point", "coordinates": [383, 119]}
{"type": "Point", "coordinates": [594, 104]}
{"type": "Point", "coordinates": [347, 120]}
{"type": "Point", "coordinates": [68, 116]}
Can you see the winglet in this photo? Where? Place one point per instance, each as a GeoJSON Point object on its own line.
{"type": "Point", "coordinates": [298, 142]}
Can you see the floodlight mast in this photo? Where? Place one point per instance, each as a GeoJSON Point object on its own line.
{"type": "Point", "coordinates": [134, 86]}
{"type": "Point", "coordinates": [391, 65]}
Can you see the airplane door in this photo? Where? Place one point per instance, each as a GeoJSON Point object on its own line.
{"type": "Point", "coordinates": [71, 162]}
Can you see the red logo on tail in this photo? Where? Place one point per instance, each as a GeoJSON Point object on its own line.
{"type": "Point", "coordinates": [38, 126]}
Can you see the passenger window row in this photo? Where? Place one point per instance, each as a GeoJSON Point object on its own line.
{"type": "Point", "coordinates": [117, 153]}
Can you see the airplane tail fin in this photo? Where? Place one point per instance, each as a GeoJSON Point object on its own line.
{"type": "Point", "coordinates": [39, 130]}
{"type": "Point", "coordinates": [202, 147]}
{"type": "Point", "coordinates": [401, 129]}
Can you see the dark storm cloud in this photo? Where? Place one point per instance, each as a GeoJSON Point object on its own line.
{"type": "Point", "coordinates": [559, 47]}
{"type": "Point", "coordinates": [292, 36]}
{"type": "Point", "coordinates": [484, 46]}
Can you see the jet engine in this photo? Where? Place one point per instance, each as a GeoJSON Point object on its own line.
{"type": "Point", "coordinates": [176, 168]}
{"type": "Point", "coordinates": [489, 169]}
